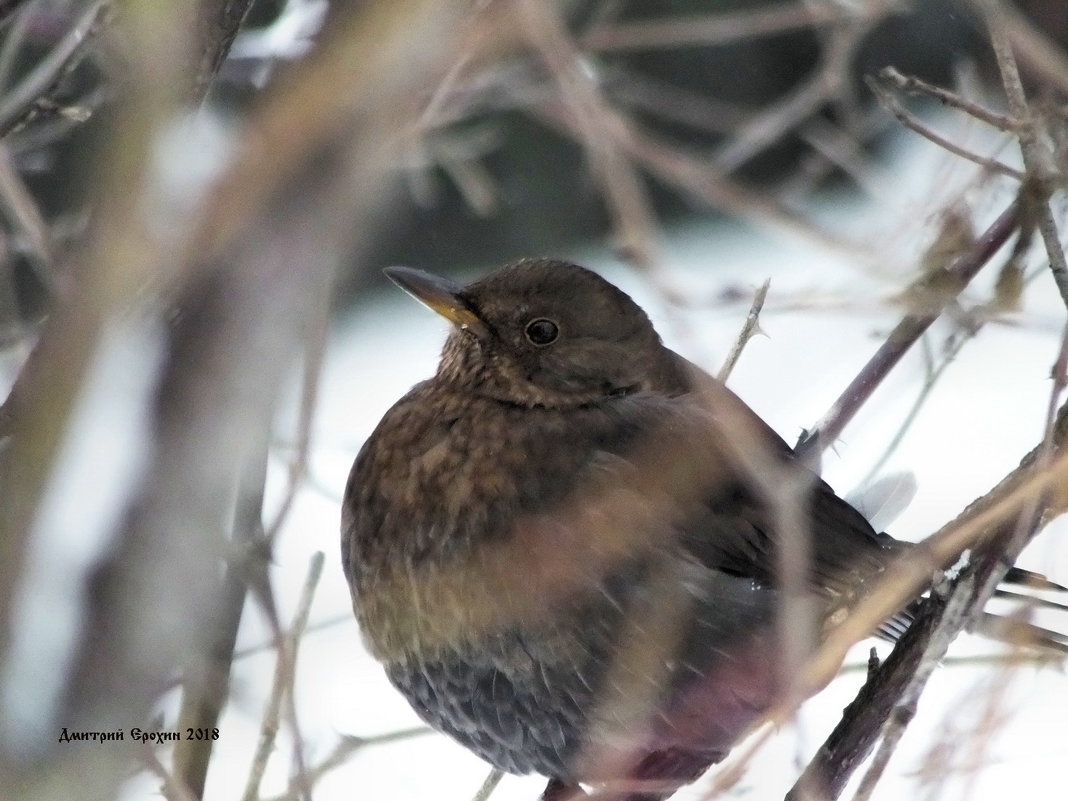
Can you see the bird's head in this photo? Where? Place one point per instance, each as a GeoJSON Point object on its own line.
{"type": "Point", "coordinates": [542, 332]}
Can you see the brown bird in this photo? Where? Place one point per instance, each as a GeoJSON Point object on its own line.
{"type": "Point", "coordinates": [562, 547]}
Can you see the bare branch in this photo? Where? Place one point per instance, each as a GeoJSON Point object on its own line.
{"type": "Point", "coordinates": [701, 179]}
{"type": "Point", "coordinates": [1037, 158]}
{"type": "Point", "coordinates": [20, 209]}
{"type": "Point", "coordinates": [915, 86]}
{"type": "Point", "coordinates": [243, 321]}
{"type": "Point", "coordinates": [634, 220]}
{"type": "Point", "coordinates": [1045, 58]}
{"type": "Point", "coordinates": [282, 688]}
{"type": "Point", "coordinates": [44, 77]}
{"type": "Point", "coordinates": [985, 522]}
{"type": "Point", "coordinates": [750, 329]}
{"type": "Point", "coordinates": [862, 721]}
{"type": "Point", "coordinates": [995, 557]}
{"type": "Point", "coordinates": [342, 752]}
{"type": "Point", "coordinates": [206, 683]}
{"type": "Point", "coordinates": [219, 22]}
{"type": "Point", "coordinates": [43, 399]}
{"type": "Point", "coordinates": [9, 6]}
{"type": "Point", "coordinates": [913, 123]}
{"type": "Point", "coordinates": [727, 27]}
{"type": "Point", "coordinates": [827, 82]}
{"type": "Point", "coordinates": [950, 620]}
{"type": "Point", "coordinates": [489, 785]}
{"type": "Point", "coordinates": [313, 365]}
{"type": "Point", "coordinates": [172, 789]}
{"type": "Point", "coordinates": [981, 521]}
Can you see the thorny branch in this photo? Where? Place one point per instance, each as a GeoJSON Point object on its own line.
{"type": "Point", "coordinates": [750, 329]}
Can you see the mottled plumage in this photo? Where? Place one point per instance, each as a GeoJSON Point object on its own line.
{"type": "Point", "coordinates": [562, 546]}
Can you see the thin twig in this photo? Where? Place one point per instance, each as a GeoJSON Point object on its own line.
{"type": "Point", "coordinates": [911, 122]}
{"type": "Point", "coordinates": [750, 329]}
{"type": "Point", "coordinates": [346, 747]}
{"type": "Point", "coordinates": [1037, 157]}
{"type": "Point", "coordinates": [930, 379]}
{"type": "Point", "coordinates": [980, 521]}
{"type": "Point", "coordinates": [314, 351]}
{"type": "Point", "coordinates": [13, 41]}
{"type": "Point", "coordinates": [218, 23]}
{"type": "Point", "coordinates": [489, 785]}
{"type": "Point", "coordinates": [727, 27]}
{"type": "Point", "coordinates": [319, 625]}
{"type": "Point", "coordinates": [816, 165]}
{"type": "Point", "coordinates": [172, 788]}
{"type": "Point", "coordinates": [996, 710]}
{"type": "Point", "coordinates": [21, 211]}
{"type": "Point", "coordinates": [671, 102]}
{"type": "Point", "coordinates": [902, 581]}
{"type": "Point", "coordinates": [51, 69]}
{"type": "Point", "coordinates": [1044, 57]}
{"type": "Point", "coordinates": [1047, 227]}
{"type": "Point", "coordinates": [912, 85]}
{"type": "Point", "coordinates": [634, 220]}
{"type": "Point", "coordinates": [834, 146]}
{"type": "Point", "coordinates": [282, 685]}
{"type": "Point", "coordinates": [1005, 552]}
{"type": "Point", "coordinates": [985, 521]}
{"type": "Point", "coordinates": [1017, 656]}
{"type": "Point", "coordinates": [698, 177]}
{"type": "Point", "coordinates": [777, 119]}
{"type": "Point", "coordinates": [933, 374]}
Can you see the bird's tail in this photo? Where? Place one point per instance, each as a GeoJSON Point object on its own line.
{"type": "Point", "coordinates": [1009, 628]}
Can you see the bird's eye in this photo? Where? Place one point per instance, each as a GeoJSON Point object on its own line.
{"type": "Point", "coordinates": [542, 331]}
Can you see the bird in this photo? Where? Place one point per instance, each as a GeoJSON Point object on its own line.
{"type": "Point", "coordinates": [562, 547]}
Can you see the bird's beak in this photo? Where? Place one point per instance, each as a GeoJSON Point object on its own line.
{"type": "Point", "coordinates": [439, 294]}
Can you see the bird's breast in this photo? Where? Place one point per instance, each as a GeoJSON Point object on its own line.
{"type": "Point", "coordinates": [465, 520]}
{"type": "Point", "coordinates": [533, 558]}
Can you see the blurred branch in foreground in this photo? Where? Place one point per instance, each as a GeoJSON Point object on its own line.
{"type": "Point", "coordinates": [309, 185]}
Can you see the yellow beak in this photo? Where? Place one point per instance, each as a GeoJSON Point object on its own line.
{"type": "Point", "coordinates": [439, 294]}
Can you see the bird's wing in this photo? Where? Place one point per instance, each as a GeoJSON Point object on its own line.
{"type": "Point", "coordinates": [758, 492]}
{"type": "Point", "coordinates": [739, 534]}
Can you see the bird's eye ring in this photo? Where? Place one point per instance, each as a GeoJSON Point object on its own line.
{"type": "Point", "coordinates": [542, 331]}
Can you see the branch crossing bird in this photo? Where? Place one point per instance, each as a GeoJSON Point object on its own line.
{"type": "Point", "coordinates": [563, 546]}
